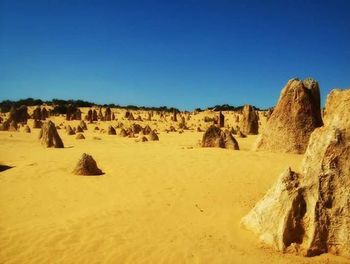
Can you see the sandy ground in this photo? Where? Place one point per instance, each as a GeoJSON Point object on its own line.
{"type": "Point", "coordinates": [158, 202]}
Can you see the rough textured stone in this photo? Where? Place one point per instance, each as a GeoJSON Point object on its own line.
{"type": "Point", "coordinates": [214, 137]}
{"type": "Point", "coordinates": [249, 122]}
{"type": "Point", "coordinates": [111, 131]}
{"type": "Point", "coordinates": [309, 212]}
{"type": "Point", "coordinates": [49, 136]}
{"type": "Point", "coordinates": [87, 166]}
{"type": "Point", "coordinates": [221, 122]}
{"type": "Point", "coordinates": [294, 118]}
{"type": "Point", "coordinates": [153, 136]}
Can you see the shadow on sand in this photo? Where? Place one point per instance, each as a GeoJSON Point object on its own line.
{"type": "Point", "coordinates": [4, 167]}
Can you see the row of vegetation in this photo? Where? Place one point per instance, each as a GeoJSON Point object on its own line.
{"type": "Point", "coordinates": [227, 107]}
{"type": "Point", "coordinates": [60, 106]}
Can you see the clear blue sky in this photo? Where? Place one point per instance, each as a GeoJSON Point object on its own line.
{"type": "Point", "coordinates": [187, 54]}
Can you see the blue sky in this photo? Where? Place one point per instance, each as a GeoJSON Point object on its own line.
{"type": "Point", "coordinates": [185, 54]}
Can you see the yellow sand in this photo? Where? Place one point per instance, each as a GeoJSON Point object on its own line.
{"type": "Point", "coordinates": [158, 202]}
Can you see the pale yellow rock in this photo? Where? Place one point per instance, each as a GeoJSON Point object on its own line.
{"type": "Point", "coordinates": [310, 211]}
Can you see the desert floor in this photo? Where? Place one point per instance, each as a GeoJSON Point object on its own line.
{"type": "Point", "coordinates": [158, 202]}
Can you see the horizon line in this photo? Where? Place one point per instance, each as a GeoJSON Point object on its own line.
{"type": "Point", "coordinates": [116, 105]}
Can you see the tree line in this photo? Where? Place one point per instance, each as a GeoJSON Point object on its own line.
{"type": "Point", "coordinates": [60, 106]}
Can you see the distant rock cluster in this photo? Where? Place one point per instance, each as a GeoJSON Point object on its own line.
{"type": "Point", "coordinates": [16, 116]}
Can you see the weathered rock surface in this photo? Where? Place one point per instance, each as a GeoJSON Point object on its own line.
{"type": "Point", "coordinates": [294, 118]}
{"type": "Point", "coordinates": [153, 136]}
{"type": "Point", "coordinates": [309, 212]}
{"type": "Point", "coordinates": [221, 121]}
{"type": "Point", "coordinates": [249, 122]}
{"type": "Point", "coordinates": [214, 137]}
{"type": "Point", "coordinates": [111, 131]}
{"type": "Point", "coordinates": [87, 166]}
{"type": "Point", "coordinates": [49, 136]}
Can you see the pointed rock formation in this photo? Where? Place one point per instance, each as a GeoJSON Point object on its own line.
{"type": "Point", "coordinates": [214, 137]}
{"type": "Point", "coordinates": [100, 115]}
{"type": "Point", "coordinates": [37, 113]}
{"type": "Point", "coordinates": [131, 117]}
{"type": "Point", "coordinates": [83, 125]}
{"type": "Point", "coordinates": [89, 116]}
{"type": "Point", "coordinates": [69, 130]}
{"type": "Point", "coordinates": [44, 114]}
{"type": "Point", "coordinates": [294, 118]}
{"type": "Point", "coordinates": [153, 136]}
{"type": "Point", "coordinates": [174, 117]}
{"type": "Point", "coordinates": [249, 122]}
{"type": "Point", "coordinates": [16, 116]}
{"type": "Point", "coordinates": [123, 133]}
{"type": "Point", "coordinates": [136, 128]}
{"type": "Point", "coordinates": [49, 136]}
{"type": "Point", "coordinates": [77, 114]}
{"type": "Point", "coordinates": [70, 112]}
{"type": "Point", "coordinates": [79, 129]}
{"type": "Point", "coordinates": [143, 139]}
{"type": "Point", "coordinates": [87, 166]}
{"type": "Point", "coordinates": [108, 114]}
{"type": "Point", "coordinates": [94, 115]}
{"type": "Point", "coordinates": [26, 129]}
{"type": "Point", "coordinates": [146, 130]}
{"type": "Point", "coordinates": [111, 131]}
{"type": "Point", "coordinates": [182, 124]}
{"type": "Point", "coordinates": [308, 212]}
{"type": "Point", "coordinates": [80, 136]}
{"type": "Point", "coordinates": [221, 121]}
{"type": "Point", "coordinates": [230, 141]}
